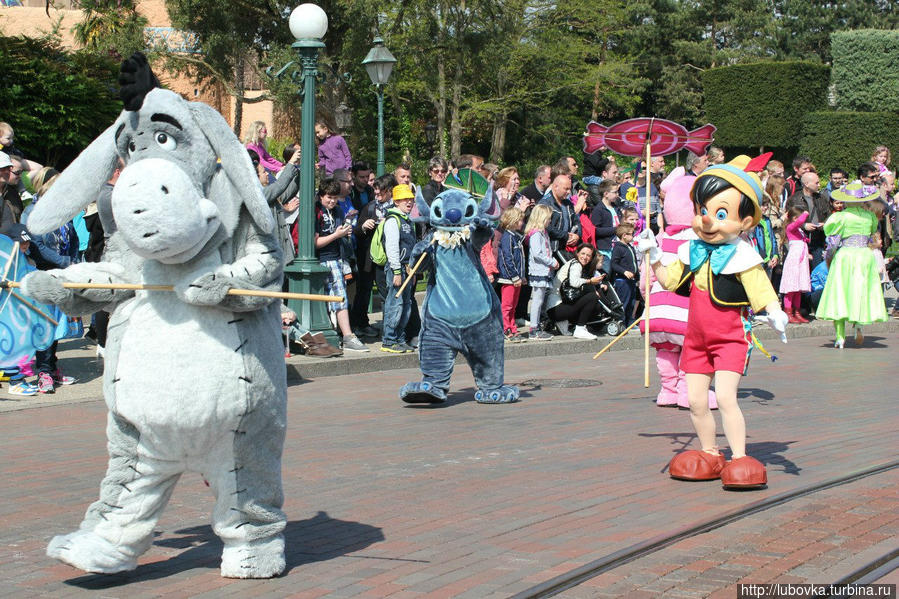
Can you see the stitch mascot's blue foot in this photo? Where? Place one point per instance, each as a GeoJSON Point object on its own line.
{"type": "Point", "coordinates": [423, 392]}
{"type": "Point", "coordinates": [505, 394]}
{"type": "Point", "coordinates": [461, 313]}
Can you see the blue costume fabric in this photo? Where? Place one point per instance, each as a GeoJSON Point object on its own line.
{"type": "Point", "coordinates": [461, 313]}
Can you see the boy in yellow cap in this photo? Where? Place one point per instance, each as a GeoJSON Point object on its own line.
{"type": "Point", "coordinates": [723, 276]}
{"type": "Point", "coordinates": [399, 239]}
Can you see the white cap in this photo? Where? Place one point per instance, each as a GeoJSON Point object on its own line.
{"type": "Point", "coordinates": [4, 160]}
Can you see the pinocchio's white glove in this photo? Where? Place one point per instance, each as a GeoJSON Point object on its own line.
{"type": "Point", "coordinates": [777, 320]}
{"type": "Point", "coordinates": [646, 242]}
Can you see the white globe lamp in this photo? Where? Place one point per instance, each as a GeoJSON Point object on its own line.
{"type": "Point", "coordinates": [308, 22]}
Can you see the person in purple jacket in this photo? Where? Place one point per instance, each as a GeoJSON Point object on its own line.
{"type": "Point", "coordinates": [333, 152]}
{"type": "Point", "coordinates": [255, 140]}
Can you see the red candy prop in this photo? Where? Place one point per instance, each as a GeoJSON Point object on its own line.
{"type": "Point", "coordinates": [628, 138]}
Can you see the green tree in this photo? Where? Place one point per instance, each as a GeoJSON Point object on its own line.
{"type": "Point", "coordinates": [805, 27]}
{"type": "Point", "coordinates": [674, 41]}
{"type": "Point", "coordinates": [111, 27]}
{"type": "Point", "coordinates": [57, 100]}
{"type": "Point", "coordinates": [232, 35]}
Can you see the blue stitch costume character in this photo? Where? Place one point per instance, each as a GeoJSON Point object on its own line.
{"type": "Point", "coordinates": [461, 312]}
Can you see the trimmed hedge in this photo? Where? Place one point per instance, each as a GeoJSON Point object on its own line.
{"type": "Point", "coordinates": [847, 139]}
{"type": "Point", "coordinates": [57, 101]}
{"type": "Point", "coordinates": [762, 104]}
{"type": "Point", "coordinates": [864, 69]}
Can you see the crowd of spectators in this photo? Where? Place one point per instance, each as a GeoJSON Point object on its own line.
{"type": "Point", "coordinates": [562, 230]}
{"type": "Point", "coordinates": [562, 258]}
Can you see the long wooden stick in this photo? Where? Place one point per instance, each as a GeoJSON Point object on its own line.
{"type": "Point", "coordinates": [12, 258]}
{"type": "Point", "coordinates": [618, 338]}
{"type": "Point", "coordinates": [646, 262]}
{"type": "Point", "coordinates": [141, 287]}
{"type": "Point", "coordinates": [33, 307]}
{"type": "Point", "coordinates": [412, 272]}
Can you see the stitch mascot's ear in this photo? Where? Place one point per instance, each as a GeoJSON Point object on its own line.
{"type": "Point", "coordinates": [489, 207]}
{"type": "Point", "coordinates": [136, 79]}
{"type": "Point", "coordinates": [421, 212]}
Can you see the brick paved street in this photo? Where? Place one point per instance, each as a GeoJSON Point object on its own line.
{"type": "Point", "coordinates": [466, 500]}
{"type": "Point", "coordinates": [816, 539]}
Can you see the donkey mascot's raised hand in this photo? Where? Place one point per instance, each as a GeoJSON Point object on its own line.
{"type": "Point", "coordinates": [195, 379]}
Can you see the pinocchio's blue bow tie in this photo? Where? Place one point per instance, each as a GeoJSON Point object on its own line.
{"type": "Point", "coordinates": [717, 255]}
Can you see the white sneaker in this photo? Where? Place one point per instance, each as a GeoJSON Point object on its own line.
{"type": "Point", "coordinates": [353, 344]}
{"type": "Point", "coordinates": [100, 351]}
{"type": "Point", "coordinates": [581, 332]}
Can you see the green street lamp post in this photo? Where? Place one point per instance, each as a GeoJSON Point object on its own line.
{"type": "Point", "coordinates": [379, 64]}
{"type": "Point", "coordinates": [308, 24]}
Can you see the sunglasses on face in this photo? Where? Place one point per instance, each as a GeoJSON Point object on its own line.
{"type": "Point", "coordinates": [439, 171]}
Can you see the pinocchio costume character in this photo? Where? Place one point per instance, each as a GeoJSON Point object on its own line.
{"type": "Point", "coordinates": [724, 277]}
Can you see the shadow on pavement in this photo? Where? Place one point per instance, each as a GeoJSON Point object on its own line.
{"type": "Point", "coordinates": [316, 539]}
{"type": "Point", "coordinates": [85, 368]}
{"type": "Point", "coordinates": [759, 396]}
{"type": "Point", "coordinates": [770, 453]}
{"type": "Point", "coordinates": [869, 343]}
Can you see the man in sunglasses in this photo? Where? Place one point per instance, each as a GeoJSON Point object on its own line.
{"type": "Point", "coordinates": [869, 174]}
{"type": "Point", "coordinates": [437, 170]}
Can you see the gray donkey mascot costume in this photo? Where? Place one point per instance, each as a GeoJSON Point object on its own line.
{"type": "Point", "coordinates": [194, 380]}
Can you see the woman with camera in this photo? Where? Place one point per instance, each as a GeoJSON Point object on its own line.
{"type": "Point", "coordinates": [574, 295]}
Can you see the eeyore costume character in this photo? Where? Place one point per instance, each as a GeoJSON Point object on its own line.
{"type": "Point", "coordinates": [461, 312]}
{"type": "Point", "coordinates": [194, 380]}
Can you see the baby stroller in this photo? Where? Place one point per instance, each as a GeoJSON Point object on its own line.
{"type": "Point", "coordinates": [610, 315]}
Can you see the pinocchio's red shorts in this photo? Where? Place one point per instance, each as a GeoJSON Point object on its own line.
{"type": "Point", "coordinates": [715, 339]}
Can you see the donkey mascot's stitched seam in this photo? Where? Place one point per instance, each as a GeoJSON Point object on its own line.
{"type": "Point", "coordinates": [194, 380]}
{"type": "Point", "coordinates": [461, 312]}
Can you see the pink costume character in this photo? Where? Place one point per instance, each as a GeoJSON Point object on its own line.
{"type": "Point", "coordinates": [668, 310]}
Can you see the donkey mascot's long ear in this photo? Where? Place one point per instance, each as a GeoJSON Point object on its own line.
{"type": "Point", "coordinates": [235, 181]}
{"type": "Point", "coordinates": [196, 139]}
{"type": "Point", "coordinates": [77, 186]}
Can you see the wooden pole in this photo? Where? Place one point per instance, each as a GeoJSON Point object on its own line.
{"type": "Point", "coordinates": [618, 338]}
{"type": "Point", "coordinates": [12, 258]}
{"type": "Point", "coordinates": [30, 305]}
{"type": "Point", "coordinates": [412, 272]}
{"type": "Point", "coordinates": [646, 263]}
{"type": "Point", "coordinates": [142, 287]}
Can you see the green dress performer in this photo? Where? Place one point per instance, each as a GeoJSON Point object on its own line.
{"type": "Point", "coordinates": [852, 292]}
